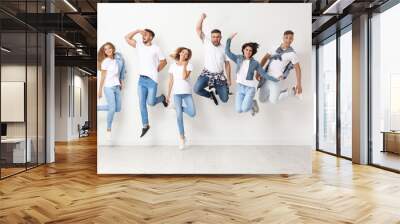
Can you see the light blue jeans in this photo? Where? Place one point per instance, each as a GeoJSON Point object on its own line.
{"type": "Point", "coordinates": [113, 98]}
{"type": "Point", "coordinates": [189, 109]}
{"type": "Point", "coordinates": [272, 92]}
{"type": "Point", "coordinates": [147, 90]}
{"type": "Point", "coordinates": [244, 98]}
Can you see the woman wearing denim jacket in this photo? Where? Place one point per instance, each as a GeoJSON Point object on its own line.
{"type": "Point", "coordinates": [246, 68]}
{"type": "Point", "coordinates": [179, 76]}
{"type": "Point", "coordinates": [112, 67]}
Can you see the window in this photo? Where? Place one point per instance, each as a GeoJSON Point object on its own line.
{"type": "Point", "coordinates": [327, 96]}
{"type": "Point", "coordinates": [385, 89]}
{"type": "Point", "coordinates": [346, 93]}
{"type": "Point", "coordinates": [394, 102]}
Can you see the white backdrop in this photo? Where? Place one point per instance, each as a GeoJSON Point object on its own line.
{"type": "Point", "coordinates": [289, 122]}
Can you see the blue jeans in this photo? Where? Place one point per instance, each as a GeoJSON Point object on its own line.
{"type": "Point", "coordinates": [244, 98]}
{"type": "Point", "coordinates": [147, 90]}
{"type": "Point", "coordinates": [113, 98]}
{"type": "Point", "coordinates": [272, 92]}
{"type": "Point", "coordinates": [189, 109]}
{"type": "Point", "coordinates": [202, 83]}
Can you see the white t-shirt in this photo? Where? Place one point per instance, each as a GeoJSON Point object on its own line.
{"type": "Point", "coordinates": [112, 76]}
{"type": "Point", "coordinates": [149, 58]}
{"type": "Point", "coordinates": [276, 67]}
{"type": "Point", "coordinates": [181, 86]}
{"type": "Point", "coordinates": [242, 74]}
{"type": "Point", "coordinates": [214, 56]}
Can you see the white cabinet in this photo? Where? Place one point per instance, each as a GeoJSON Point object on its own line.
{"type": "Point", "coordinates": [19, 155]}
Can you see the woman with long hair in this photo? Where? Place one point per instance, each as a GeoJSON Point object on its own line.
{"type": "Point", "coordinates": [179, 73]}
{"type": "Point", "coordinates": [112, 67]}
{"type": "Point", "coordinates": [246, 79]}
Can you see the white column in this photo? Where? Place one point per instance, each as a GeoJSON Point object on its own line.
{"type": "Point", "coordinates": [50, 94]}
{"type": "Point", "coordinates": [360, 90]}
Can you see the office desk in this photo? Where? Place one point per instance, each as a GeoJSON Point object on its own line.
{"type": "Point", "coordinates": [391, 141]}
{"type": "Point", "coordinates": [15, 148]}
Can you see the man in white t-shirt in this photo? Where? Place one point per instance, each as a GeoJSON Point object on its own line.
{"type": "Point", "coordinates": [212, 75]}
{"type": "Point", "coordinates": [279, 65]}
{"type": "Point", "coordinates": [151, 61]}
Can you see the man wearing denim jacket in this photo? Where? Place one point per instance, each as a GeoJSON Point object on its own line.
{"type": "Point", "coordinates": [151, 61]}
{"type": "Point", "coordinates": [212, 75]}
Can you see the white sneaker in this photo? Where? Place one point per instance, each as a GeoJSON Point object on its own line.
{"type": "Point", "coordinates": [255, 109]}
{"type": "Point", "coordinates": [181, 143]}
{"type": "Point", "coordinates": [171, 106]}
{"type": "Point", "coordinates": [107, 138]}
{"type": "Point", "coordinates": [289, 92]}
{"type": "Point", "coordinates": [286, 93]}
{"type": "Point", "coordinates": [292, 91]}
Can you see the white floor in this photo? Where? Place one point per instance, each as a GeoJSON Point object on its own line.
{"type": "Point", "coordinates": [204, 160]}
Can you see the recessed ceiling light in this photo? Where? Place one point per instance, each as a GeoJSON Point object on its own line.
{"type": "Point", "coordinates": [5, 50]}
{"type": "Point", "coordinates": [70, 5]}
{"type": "Point", "coordinates": [337, 7]}
{"type": "Point", "coordinates": [84, 71]}
{"type": "Point", "coordinates": [64, 40]}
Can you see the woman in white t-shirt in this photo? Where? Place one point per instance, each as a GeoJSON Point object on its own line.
{"type": "Point", "coordinates": [179, 73]}
{"type": "Point", "coordinates": [246, 70]}
{"type": "Point", "coordinates": [112, 67]}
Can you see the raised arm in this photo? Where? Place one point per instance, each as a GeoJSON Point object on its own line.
{"type": "Point", "coordinates": [264, 74]}
{"type": "Point", "coordinates": [199, 26]}
{"type": "Point", "coordinates": [228, 51]}
{"type": "Point", "coordinates": [129, 37]}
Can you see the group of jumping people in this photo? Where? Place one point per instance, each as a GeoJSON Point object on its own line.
{"type": "Point", "coordinates": [214, 80]}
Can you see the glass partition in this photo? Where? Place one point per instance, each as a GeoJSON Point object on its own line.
{"type": "Point", "coordinates": [346, 93]}
{"type": "Point", "coordinates": [327, 96]}
{"type": "Point", "coordinates": [23, 88]}
{"type": "Point", "coordinates": [14, 144]}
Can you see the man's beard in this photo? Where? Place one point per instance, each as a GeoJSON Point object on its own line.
{"type": "Point", "coordinates": [216, 43]}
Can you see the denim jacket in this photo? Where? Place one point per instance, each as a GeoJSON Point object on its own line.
{"type": "Point", "coordinates": [121, 65]}
{"type": "Point", "coordinates": [253, 64]}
